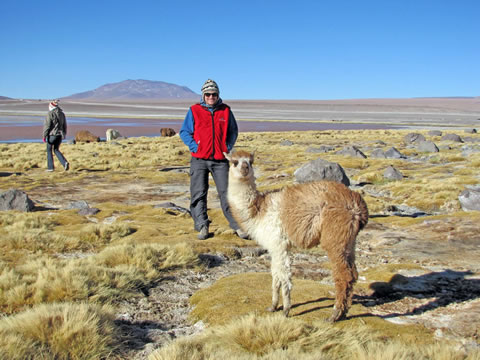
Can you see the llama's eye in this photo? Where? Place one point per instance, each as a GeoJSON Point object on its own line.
{"type": "Point", "coordinates": [235, 162]}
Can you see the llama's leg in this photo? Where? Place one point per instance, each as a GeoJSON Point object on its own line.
{"type": "Point", "coordinates": [281, 275]}
{"type": "Point", "coordinates": [345, 276]}
{"type": "Point", "coordinates": [275, 292]}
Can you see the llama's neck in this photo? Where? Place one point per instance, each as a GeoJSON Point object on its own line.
{"type": "Point", "coordinates": [242, 194]}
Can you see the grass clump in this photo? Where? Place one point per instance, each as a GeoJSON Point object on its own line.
{"type": "Point", "coordinates": [114, 274]}
{"type": "Point", "coordinates": [60, 331]}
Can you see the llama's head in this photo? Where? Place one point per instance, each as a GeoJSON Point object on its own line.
{"type": "Point", "coordinates": [240, 164]}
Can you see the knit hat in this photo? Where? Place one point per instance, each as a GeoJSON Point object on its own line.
{"type": "Point", "coordinates": [210, 86]}
{"type": "Point", "coordinates": [53, 105]}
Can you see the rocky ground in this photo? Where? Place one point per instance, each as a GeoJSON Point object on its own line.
{"type": "Point", "coordinates": [437, 283]}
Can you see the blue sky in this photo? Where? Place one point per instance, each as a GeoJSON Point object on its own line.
{"type": "Point", "coordinates": [254, 49]}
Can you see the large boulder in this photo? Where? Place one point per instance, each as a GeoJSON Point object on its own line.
{"type": "Point", "coordinates": [427, 146]}
{"type": "Point", "coordinates": [16, 200]}
{"type": "Point", "coordinates": [413, 137]}
{"type": "Point", "coordinates": [452, 137]}
{"type": "Point", "coordinates": [168, 132]}
{"type": "Point", "coordinates": [319, 169]}
{"type": "Point", "coordinates": [86, 136]}
{"type": "Point", "coordinates": [112, 134]}
{"type": "Point", "coordinates": [470, 199]}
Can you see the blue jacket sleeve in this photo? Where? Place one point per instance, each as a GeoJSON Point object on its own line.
{"type": "Point", "coordinates": [232, 131]}
{"type": "Point", "coordinates": [186, 132]}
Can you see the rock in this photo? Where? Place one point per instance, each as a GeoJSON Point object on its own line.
{"type": "Point", "coordinates": [413, 137]}
{"type": "Point", "coordinates": [320, 149]}
{"type": "Point", "coordinates": [86, 136]}
{"type": "Point", "coordinates": [427, 146]}
{"type": "Point", "coordinates": [320, 169]}
{"type": "Point", "coordinates": [286, 143]}
{"type": "Point", "coordinates": [167, 132]}
{"type": "Point", "coordinates": [470, 199]}
{"type": "Point", "coordinates": [393, 153]}
{"type": "Point", "coordinates": [112, 134]}
{"type": "Point", "coordinates": [172, 206]}
{"type": "Point", "coordinates": [435, 133]}
{"type": "Point", "coordinates": [14, 199]}
{"type": "Point", "coordinates": [391, 173]}
{"type": "Point", "coordinates": [88, 211]}
{"type": "Point", "coordinates": [452, 137]}
{"type": "Point", "coordinates": [469, 150]}
{"type": "Point", "coordinates": [80, 204]}
{"type": "Point", "coordinates": [71, 142]}
{"type": "Point", "coordinates": [378, 154]}
{"type": "Point", "coordinates": [470, 131]}
{"type": "Point", "coordinates": [352, 151]}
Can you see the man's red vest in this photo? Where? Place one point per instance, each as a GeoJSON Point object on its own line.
{"type": "Point", "coordinates": [210, 131]}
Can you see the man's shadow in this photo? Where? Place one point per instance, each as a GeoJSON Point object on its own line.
{"type": "Point", "coordinates": [445, 288]}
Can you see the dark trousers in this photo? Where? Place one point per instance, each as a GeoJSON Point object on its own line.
{"type": "Point", "coordinates": [53, 146]}
{"type": "Point", "coordinates": [199, 170]}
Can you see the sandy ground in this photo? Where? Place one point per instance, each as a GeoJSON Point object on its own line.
{"type": "Point", "coordinates": [22, 119]}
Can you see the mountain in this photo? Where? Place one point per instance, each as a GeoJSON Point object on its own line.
{"type": "Point", "coordinates": [5, 98]}
{"type": "Point", "coordinates": [135, 90]}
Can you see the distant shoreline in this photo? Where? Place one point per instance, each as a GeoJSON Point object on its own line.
{"type": "Point", "coordinates": [27, 130]}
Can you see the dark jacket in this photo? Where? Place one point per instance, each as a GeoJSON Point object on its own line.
{"type": "Point", "coordinates": [55, 123]}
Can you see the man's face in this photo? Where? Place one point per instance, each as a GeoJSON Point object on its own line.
{"type": "Point", "coordinates": [211, 98]}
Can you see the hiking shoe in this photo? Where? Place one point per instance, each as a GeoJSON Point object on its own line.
{"type": "Point", "coordinates": [49, 170]}
{"type": "Point", "coordinates": [242, 234]}
{"type": "Point", "coordinates": [203, 234]}
{"type": "Point", "coordinates": [67, 166]}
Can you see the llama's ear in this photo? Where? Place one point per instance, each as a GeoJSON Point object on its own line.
{"type": "Point", "coordinates": [227, 156]}
{"type": "Point", "coordinates": [252, 155]}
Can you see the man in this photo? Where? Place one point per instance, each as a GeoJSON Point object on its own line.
{"type": "Point", "coordinates": [209, 130]}
{"type": "Point", "coordinates": [54, 130]}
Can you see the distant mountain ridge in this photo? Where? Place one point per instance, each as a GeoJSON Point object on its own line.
{"type": "Point", "coordinates": [5, 98]}
{"type": "Point", "coordinates": [135, 90]}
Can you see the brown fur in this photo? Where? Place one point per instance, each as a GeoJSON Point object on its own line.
{"type": "Point", "coordinates": [167, 132]}
{"type": "Point", "coordinates": [322, 213]}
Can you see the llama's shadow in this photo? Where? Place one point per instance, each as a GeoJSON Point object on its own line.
{"type": "Point", "coordinates": [316, 308]}
{"type": "Point", "coordinates": [444, 288]}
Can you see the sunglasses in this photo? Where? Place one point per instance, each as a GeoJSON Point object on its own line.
{"type": "Point", "coordinates": [208, 95]}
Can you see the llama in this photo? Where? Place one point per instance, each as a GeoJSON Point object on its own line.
{"type": "Point", "coordinates": [304, 215]}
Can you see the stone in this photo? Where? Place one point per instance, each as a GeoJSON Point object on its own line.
{"type": "Point", "coordinates": [470, 199]}
{"type": "Point", "coordinates": [452, 137]}
{"type": "Point", "coordinates": [413, 137]}
{"type": "Point", "coordinates": [286, 143]}
{"type": "Point", "coordinates": [391, 173]}
{"type": "Point", "coordinates": [86, 136]}
{"type": "Point", "coordinates": [378, 154]}
{"type": "Point", "coordinates": [435, 133]}
{"type": "Point", "coordinates": [112, 134]}
{"type": "Point", "coordinates": [14, 199]}
{"type": "Point", "coordinates": [352, 151]}
{"type": "Point", "coordinates": [393, 153]}
{"type": "Point", "coordinates": [427, 146]}
{"type": "Point", "coordinates": [320, 149]}
{"type": "Point", "coordinates": [319, 169]}
{"type": "Point", "coordinates": [167, 132]}
{"type": "Point", "coordinates": [470, 131]}
{"type": "Point", "coordinates": [88, 211]}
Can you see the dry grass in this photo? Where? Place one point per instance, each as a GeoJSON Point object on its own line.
{"type": "Point", "coordinates": [275, 337]}
{"type": "Point", "coordinates": [55, 256]}
{"type": "Point", "coordinates": [60, 331]}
